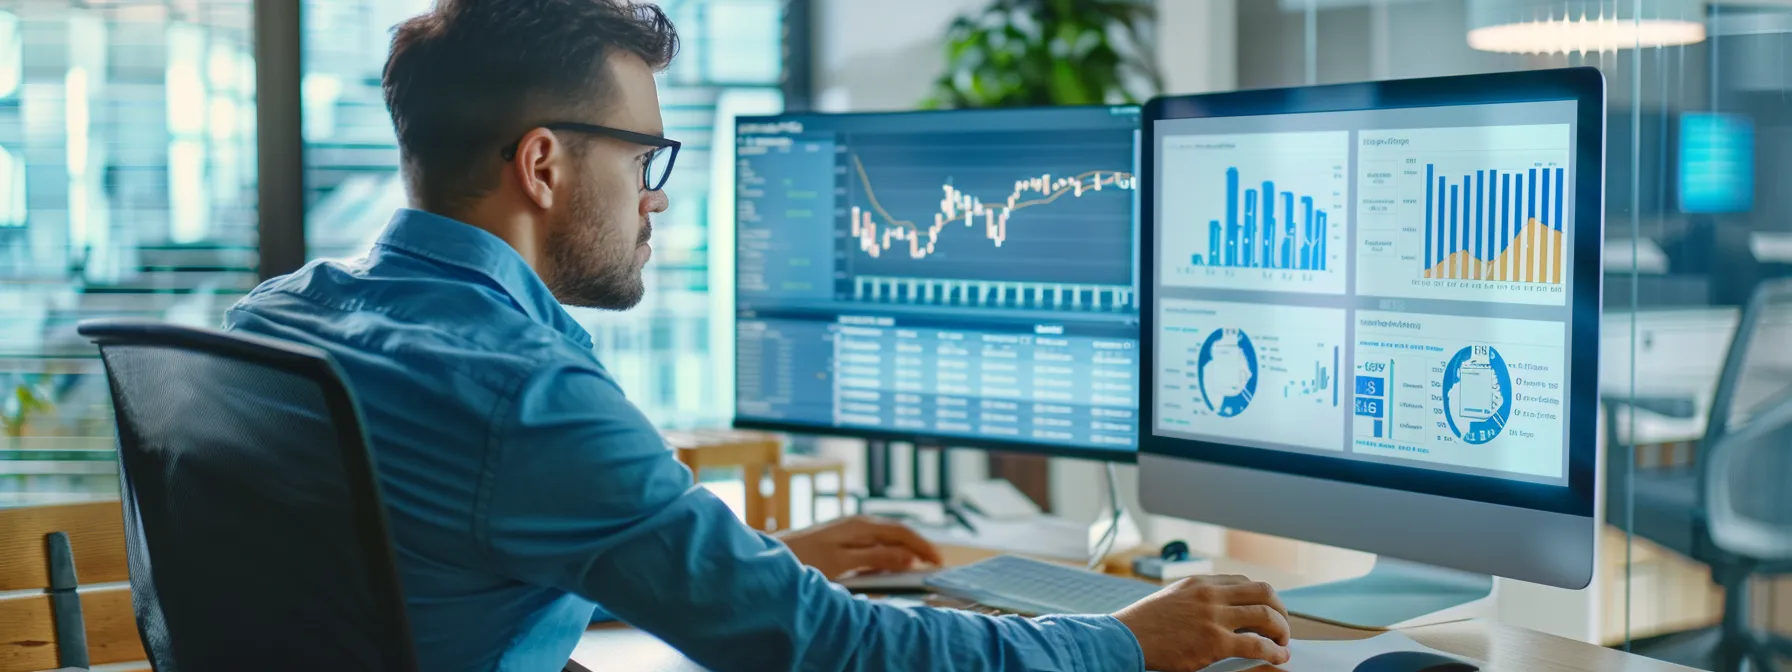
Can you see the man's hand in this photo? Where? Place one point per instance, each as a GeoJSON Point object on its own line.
{"type": "Point", "coordinates": [859, 543]}
{"type": "Point", "coordinates": [1201, 620]}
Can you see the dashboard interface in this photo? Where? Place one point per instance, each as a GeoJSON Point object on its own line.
{"type": "Point", "coordinates": [965, 276]}
{"type": "Point", "coordinates": [1379, 285]}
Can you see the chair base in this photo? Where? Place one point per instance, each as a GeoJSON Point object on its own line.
{"type": "Point", "coordinates": [1705, 649]}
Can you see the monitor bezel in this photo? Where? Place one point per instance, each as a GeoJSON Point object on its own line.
{"type": "Point", "coordinates": [930, 439]}
{"type": "Point", "coordinates": [1585, 86]}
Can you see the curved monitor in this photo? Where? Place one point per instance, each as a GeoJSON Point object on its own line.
{"type": "Point", "coordinates": [1371, 316]}
{"type": "Point", "coordinates": [955, 278]}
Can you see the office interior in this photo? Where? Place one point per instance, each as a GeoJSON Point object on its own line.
{"type": "Point", "coordinates": [141, 148]}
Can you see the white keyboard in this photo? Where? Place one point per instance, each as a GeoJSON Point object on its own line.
{"type": "Point", "coordinates": [1035, 588]}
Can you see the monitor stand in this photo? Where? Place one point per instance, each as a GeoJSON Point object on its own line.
{"type": "Point", "coordinates": [1395, 593]}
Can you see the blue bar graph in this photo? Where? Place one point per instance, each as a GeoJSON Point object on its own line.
{"type": "Point", "coordinates": [1250, 238]}
{"type": "Point", "coordinates": [1250, 228]}
{"type": "Point", "coordinates": [1290, 247]}
{"type": "Point", "coordinates": [1430, 246]}
{"type": "Point", "coordinates": [1504, 225]}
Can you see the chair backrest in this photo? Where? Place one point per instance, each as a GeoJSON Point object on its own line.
{"type": "Point", "coordinates": [1748, 502]}
{"type": "Point", "coordinates": [256, 531]}
{"type": "Point", "coordinates": [1746, 457]}
{"type": "Point", "coordinates": [95, 534]}
{"type": "Point", "coordinates": [1757, 372]}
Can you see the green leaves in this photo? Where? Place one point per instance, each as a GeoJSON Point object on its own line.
{"type": "Point", "coordinates": [1048, 52]}
{"type": "Point", "coordinates": [25, 401]}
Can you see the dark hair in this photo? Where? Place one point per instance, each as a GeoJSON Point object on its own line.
{"type": "Point", "coordinates": [471, 75]}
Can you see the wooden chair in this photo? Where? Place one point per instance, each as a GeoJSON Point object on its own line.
{"type": "Point", "coordinates": [813, 467]}
{"type": "Point", "coordinates": [756, 454]}
{"type": "Point", "coordinates": [28, 633]}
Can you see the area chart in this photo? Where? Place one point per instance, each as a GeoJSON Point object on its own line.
{"type": "Point", "coordinates": [1468, 214]}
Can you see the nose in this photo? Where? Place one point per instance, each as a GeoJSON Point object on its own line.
{"type": "Point", "coordinates": [653, 202]}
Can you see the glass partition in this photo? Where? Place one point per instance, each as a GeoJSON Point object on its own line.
{"type": "Point", "coordinates": [1699, 136]}
{"type": "Point", "coordinates": [127, 188]}
{"type": "Point", "coordinates": [672, 353]}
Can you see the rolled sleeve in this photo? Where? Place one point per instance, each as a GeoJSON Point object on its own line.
{"type": "Point", "coordinates": [585, 497]}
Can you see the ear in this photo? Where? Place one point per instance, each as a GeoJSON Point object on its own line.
{"type": "Point", "coordinates": [540, 166]}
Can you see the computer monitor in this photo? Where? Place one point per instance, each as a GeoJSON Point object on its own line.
{"type": "Point", "coordinates": [948, 278]}
{"type": "Point", "coordinates": [1372, 314]}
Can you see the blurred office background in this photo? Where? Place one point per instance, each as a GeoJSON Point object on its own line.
{"type": "Point", "coordinates": [129, 185]}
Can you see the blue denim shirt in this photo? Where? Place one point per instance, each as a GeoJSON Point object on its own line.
{"type": "Point", "coordinates": [523, 488]}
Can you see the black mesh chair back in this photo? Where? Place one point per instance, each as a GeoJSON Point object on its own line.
{"type": "Point", "coordinates": [256, 535]}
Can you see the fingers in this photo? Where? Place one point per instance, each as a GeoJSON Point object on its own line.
{"type": "Point", "coordinates": [880, 531]}
{"type": "Point", "coordinates": [1255, 592]}
{"type": "Point", "coordinates": [1255, 647]}
{"type": "Point", "coordinates": [1259, 619]}
{"type": "Point", "coordinates": [1223, 580]}
{"type": "Point", "coordinates": [878, 558]}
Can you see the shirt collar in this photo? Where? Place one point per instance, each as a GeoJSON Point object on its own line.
{"type": "Point", "coordinates": [462, 245]}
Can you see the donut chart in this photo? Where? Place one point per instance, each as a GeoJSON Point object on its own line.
{"type": "Point", "coordinates": [1227, 372]}
{"type": "Point", "coordinates": [1477, 394]}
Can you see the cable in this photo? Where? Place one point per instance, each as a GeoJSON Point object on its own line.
{"type": "Point", "coordinates": [1112, 535]}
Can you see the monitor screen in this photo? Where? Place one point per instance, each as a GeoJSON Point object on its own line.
{"type": "Point", "coordinates": [950, 278]}
{"type": "Point", "coordinates": [1717, 163]}
{"type": "Point", "coordinates": [1378, 285]}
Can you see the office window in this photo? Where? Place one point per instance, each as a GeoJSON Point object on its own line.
{"type": "Point", "coordinates": [666, 353]}
{"type": "Point", "coordinates": [127, 188]}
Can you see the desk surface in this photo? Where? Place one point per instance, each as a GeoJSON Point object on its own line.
{"type": "Point", "coordinates": [1505, 648]}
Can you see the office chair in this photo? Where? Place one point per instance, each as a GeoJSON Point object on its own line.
{"type": "Point", "coordinates": [255, 531]}
{"type": "Point", "coordinates": [1729, 510]}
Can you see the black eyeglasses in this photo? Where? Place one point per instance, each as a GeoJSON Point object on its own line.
{"type": "Point", "coordinates": [653, 173]}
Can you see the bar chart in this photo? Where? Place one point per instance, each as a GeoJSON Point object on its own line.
{"type": "Point", "coordinates": [1262, 211]}
{"type": "Point", "coordinates": [1510, 230]}
{"type": "Point", "coordinates": [1257, 241]}
{"type": "Point", "coordinates": [1470, 214]}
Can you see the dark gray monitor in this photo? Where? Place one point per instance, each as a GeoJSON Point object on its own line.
{"type": "Point", "coordinates": [947, 278]}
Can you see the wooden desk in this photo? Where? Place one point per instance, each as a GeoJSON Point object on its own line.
{"type": "Point", "coordinates": [1505, 648]}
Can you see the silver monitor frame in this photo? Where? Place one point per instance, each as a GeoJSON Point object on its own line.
{"type": "Point", "coordinates": [1373, 509]}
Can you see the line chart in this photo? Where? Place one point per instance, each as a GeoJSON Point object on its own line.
{"type": "Point", "coordinates": [956, 205]}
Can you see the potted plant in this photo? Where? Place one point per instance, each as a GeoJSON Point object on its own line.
{"type": "Point", "coordinates": [1017, 53]}
{"type": "Point", "coordinates": [25, 400]}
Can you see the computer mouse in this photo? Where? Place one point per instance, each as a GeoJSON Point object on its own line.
{"type": "Point", "coordinates": [1414, 661]}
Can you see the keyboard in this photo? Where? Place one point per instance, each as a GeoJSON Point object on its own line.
{"type": "Point", "coordinates": [1037, 588]}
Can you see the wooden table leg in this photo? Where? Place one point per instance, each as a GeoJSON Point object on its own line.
{"type": "Point", "coordinates": [781, 497]}
{"type": "Point", "coordinates": [756, 516]}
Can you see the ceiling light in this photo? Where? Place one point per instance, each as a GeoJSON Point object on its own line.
{"type": "Point", "coordinates": [1571, 26]}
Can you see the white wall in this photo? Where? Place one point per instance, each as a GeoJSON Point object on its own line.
{"type": "Point", "coordinates": [880, 54]}
{"type": "Point", "coordinates": [885, 54]}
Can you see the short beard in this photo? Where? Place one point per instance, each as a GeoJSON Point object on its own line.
{"type": "Point", "coordinates": [588, 272]}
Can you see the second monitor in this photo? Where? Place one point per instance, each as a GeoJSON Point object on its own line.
{"type": "Point", "coordinates": [959, 278]}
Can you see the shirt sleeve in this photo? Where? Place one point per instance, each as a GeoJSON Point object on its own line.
{"type": "Point", "coordinates": [583, 495]}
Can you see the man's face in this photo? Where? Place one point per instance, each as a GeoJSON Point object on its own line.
{"type": "Point", "coordinates": [598, 240]}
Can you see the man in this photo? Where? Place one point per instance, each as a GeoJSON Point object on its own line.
{"type": "Point", "coordinates": [522, 486]}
